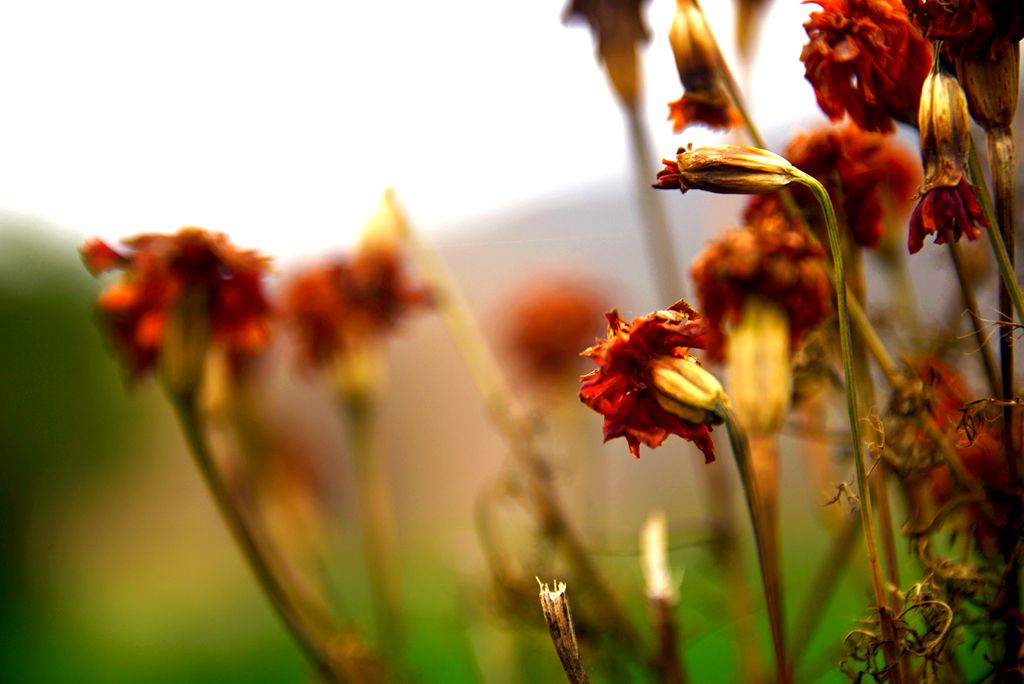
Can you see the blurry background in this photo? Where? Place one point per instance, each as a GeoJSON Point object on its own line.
{"type": "Point", "coordinates": [281, 126]}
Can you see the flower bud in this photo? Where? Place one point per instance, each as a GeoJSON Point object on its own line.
{"type": "Point", "coordinates": [759, 366]}
{"type": "Point", "coordinates": [685, 389]}
{"type": "Point", "coordinates": [727, 169]}
{"type": "Point", "coordinates": [943, 122]}
{"type": "Point", "coordinates": [705, 100]}
{"type": "Point", "coordinates": [991, 86]}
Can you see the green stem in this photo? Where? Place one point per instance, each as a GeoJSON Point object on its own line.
{"type": "Point", "coordinates": [766, 540]}
{"type": "Point", "coordinates": [1006, 270]}
{"type": "Point", "coordinates": [376, 515]}
{"type": "Point", "coordinates": [863, 488]}
{"type": "Point", "coordinates": [311, 640]}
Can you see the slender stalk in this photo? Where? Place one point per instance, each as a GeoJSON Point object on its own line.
{"type": "Point", "coordinates": [1001, 157]}
{"type": "Point", "coordinates": [863, 488]}
{"type": "Point", "coordinates": [376, 516]}
{"type": "Point", "coordinates": [662, 600]}
{"type": "Point", "coordinates": [866, 394]}
{"type": "Point", "coordinates": [658, 238]}
{"type": "Point", "coordinates": [312, 640]}
{"type": "Point", "coordinates": [1007, 274]}
{"type": "Point", "coordinates": [521, 441]}
{"type": "Point", "coordinates": [977, 324]}
{"type": "Point", "coordinates": [766, 538]}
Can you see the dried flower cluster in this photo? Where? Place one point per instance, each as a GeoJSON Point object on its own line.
{"type": "Point", "coordinates": [193, 273]}
{"type": "Point", "coordinates": [648, 386]}
{"type": "Point", "coordinates": [867, 60]}
{"type": "Point", "coordinates": [549, 320]}
{"type": "Point", "coordinates": [767, 260]}
{"type": "Point", "coordinates": [870, 175]}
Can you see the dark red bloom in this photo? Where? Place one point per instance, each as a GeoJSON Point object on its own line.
{"type": "Point", "coordinates": [623, 388]}
{"type": "Point", "coordinates": [866, 59]}
{"type": "Point", "coordinates": [350, 301]}
{"type": "Point", "coordinates": [549, 321]}
{"type": "Point", "coordinates": [692, 108]}
{"type": "Point", "coordinates": [866, 174]}
{"type": "Point", "coordinates": [971, 27]}
{"type": "Point", "coordinates": [696, 55]}
{"type": "Point", "coordinates": [161, 270]}
{"type": "Point", "coordinates": [946, 213]}
{"type": "Point", "coordinates": [767, 260]}
{"type": "Point", "coordinates": [980, 452]}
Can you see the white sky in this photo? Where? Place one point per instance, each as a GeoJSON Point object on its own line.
{"type": "Point", "coordinates": [280, 123]}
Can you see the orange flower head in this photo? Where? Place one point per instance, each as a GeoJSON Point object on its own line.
{"type": "Point", "coordinates": [548, 322]}
{"type": "Point", "coordinates": [864, 58]}
{"type": "Point", "coordinates": [618, 27]}
{"type": "Point", "coordinates": [768, 260]}
{"type": "Point", "coordinates": [349, 302]}
{"type": "Point", "coordinates": [705, 101]}
{"type": "Point", "coordinates": [195, 274]}
{"type": "Point", "coordinates": [648, 386]}
{"type": "Point", "coordinates": [865, 174]}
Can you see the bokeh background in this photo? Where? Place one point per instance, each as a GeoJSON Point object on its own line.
{"type": "Point", "coordinates": [281, 125]}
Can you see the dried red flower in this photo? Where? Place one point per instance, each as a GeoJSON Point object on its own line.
{"type": "Point", "coordinates": [549, 321]}
{"type": "Point", "coordinates": [865, 174]}
{"type": "Point", "coordinates": [971, 27]}
{"type": "Point", "coordinates": [981, 453]}
{"type": "Point", "coordinates": [766, 260]}
{"type": "Point", "coordinates": [696, 54]}
{"type": "Point", "coordinates": [159, 272]}
{"type": "Point", "coordinates": [866, 59]}
{"type": "Point", "coordinates": [618, 27]}
{"type": "Point", "coordinates": [625, 388]}
{"type": "Point", "coordinates": [350, 301]}
{"type": "Point", "coordinates": [694, 107]}
{"type": "Point", "coordinates": [946, 213]}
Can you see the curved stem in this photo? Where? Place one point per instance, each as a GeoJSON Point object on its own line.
{"type": "Point", "coordinates": [863, 487]}
{"type": "Point", "coordinates": [766, 538]}
{"type": "Point", "coordinates": [311, 640]}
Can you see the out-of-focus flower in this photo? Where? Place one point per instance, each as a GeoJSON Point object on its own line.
{"type": "Point", "coordinates": [972, 27]}
{"type": "Point", "coordinates": [948, 207]}
{"type": "Point", "coordinates": [179, 294]}
{"type": "Point", "coordinates": [618, 28]}
{"type": "Point", "coordinates": [549, 321]}
{"type": "Point", "coordinates": [648, 386]}
{"type": "Point", "coordinates": [768, 261]}
{"type": "Point", "coordinates": [865, 174]}
{"type": "Point", "coordinates": [344, 304]}
{"type": "Point", "coordinates": [981, 453]}
{"type": "Point", "coordinates": [726, 169]}
{"type": "Point", "coordinates": [866, 59]}
{"type": "Point", "coordinates": [705, 100]}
